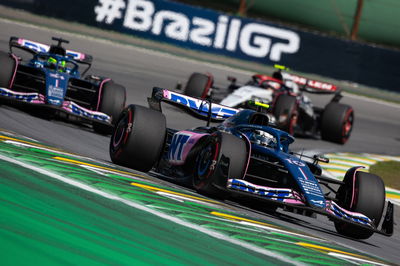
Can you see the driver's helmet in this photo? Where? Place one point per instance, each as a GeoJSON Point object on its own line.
{"type": "Point", "coordinates": [277, 75]}
{"type": "Point", "coordinates": [263, 138]}
{"type": "Point", "coordinates": [54, 64]}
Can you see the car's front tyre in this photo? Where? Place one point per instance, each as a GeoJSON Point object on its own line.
{"type": "Point", "coordinates": [363, 193]}
{"type": "Point", "coordinates": [223, 156]}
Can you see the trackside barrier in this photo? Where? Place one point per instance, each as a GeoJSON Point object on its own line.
{"type": "Point", "coordinates": [214, 32]}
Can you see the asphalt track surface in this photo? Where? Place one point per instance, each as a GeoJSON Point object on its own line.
{"type": "Point", "coordinates": [377, 125]}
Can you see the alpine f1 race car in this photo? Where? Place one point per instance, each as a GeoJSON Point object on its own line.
{"type": "Point", "coordinates": [290, 107]}
{"type": "Point", "coordinates": [244, 157]}
{"type": "Point", "coordinates": [52, 80]}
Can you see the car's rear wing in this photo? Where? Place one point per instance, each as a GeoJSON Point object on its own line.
{"type": "Point", "coordinates": [36, 47]}
{"type": "Point", "coordinates": [197, 107]}
{"type": "Point", "coordinates": [312, 86]}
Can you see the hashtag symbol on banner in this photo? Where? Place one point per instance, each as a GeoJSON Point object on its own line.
{"type": "Point", "coordinates": [108, 10]}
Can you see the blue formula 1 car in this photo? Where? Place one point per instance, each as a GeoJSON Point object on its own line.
{"type": "Point", "coordinates": [52, 79]}
{"type": "Point", "coordinates": [245, 157]}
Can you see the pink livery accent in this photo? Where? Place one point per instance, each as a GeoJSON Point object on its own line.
{"type": "Point", "coordinates": [249, 152]}
{"type": "Point", "coordinates": [41, 99]}
{"type": "Point", "coordinates": [166, 94]}
{"type": "Point", "coordinates": [15, 71]}
{"type": "Point", "coordinates": [354, 185]}
{"type": "Point", "coordinates": [181, 144]}
{"type": "Point", "coordinates": [29, 97]}
{"type": "Point", "coordinates": [68, 106]}
{"type": "Point", "coordinates": [37, 98]}
{"type": "Point", "coordinates": [355, 214]}
{"type": "Point", "coordinates": [336, 210]}
{"type": "Point", "coordinates": [100, 91]}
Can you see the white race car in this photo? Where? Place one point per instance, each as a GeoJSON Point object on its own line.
{"type": "Point", "coordinates": [290, 108]}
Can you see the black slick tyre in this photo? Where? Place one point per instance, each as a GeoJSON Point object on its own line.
{"type": "Point", "coordinates": [112, 102]}
{"type": "Point", "coordinates": [198, 85]}
{"type": "Point", "coordinates": [7, 68]}
{"type": "Point", "coordinates": [138, 138]}
{"type": "Point", "coordinates": [285, 112]}
{"type": "Point", "coordinates": [223, 156]}
{"type": "Point", "coordinates": [365, 194]}
{"type": "Point", "coordinates": [337, 122]}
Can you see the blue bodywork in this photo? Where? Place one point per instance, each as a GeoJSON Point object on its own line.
{"type": "Point", "coordinates": [237, 122]}
{"type": "Point", "coordinates": [56, 75]}
{"type": "Point", "coordinates": [279, 149]}
{"type": "Point", "coordinates": [272, 173]}
{"type": "Point", "coordinates": [52, 78]}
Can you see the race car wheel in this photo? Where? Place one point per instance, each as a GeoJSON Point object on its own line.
{"type": "Point", "coordinates": [363, 194]}
{"type": "Point", "coordinates": [223, 156]}
{"type": "Point", "coordinates": [198, 85]}
{"type": "Point", "coordinates": [138, 138]}
{"type": "Point", "coordinates": [286, 113]}
{"type": "Point", "coordinates": [7, 68]}
{"type": "Point", "coordinates": [112, 102]}
{"type": "Point", "coordinates": [337, 122]}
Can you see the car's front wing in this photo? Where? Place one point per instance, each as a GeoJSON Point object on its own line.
{"type": "Point", "coordinates": [290, 199]}
{"type": "Point", "coordinates": [72, 108]}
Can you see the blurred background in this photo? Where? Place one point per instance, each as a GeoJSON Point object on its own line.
{"type": "Point", "coordinates": [363, 20]}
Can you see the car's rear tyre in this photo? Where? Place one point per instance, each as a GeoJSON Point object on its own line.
{"type": "Point", "coordinates": [337, 122]}
{"type": "Point", "coordinates": [365, 194]}
{"type": "Point", "coordinates": [138, 138]}
{"type": "Point", "coordinates": [112, 102]}
{"type": "Point", "coordinates": [223, 156]}
{"type": "Point", "coordinates": [286, 113]}
{"type": "Point", "coordinates": [7, 68]}
{"type": "Point", "coordinates": [198, 85]}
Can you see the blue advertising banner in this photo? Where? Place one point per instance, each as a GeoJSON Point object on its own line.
{"type": "Point", "coordinates": [243, 38]}
{"type": "Point", "coordinates": [199, 29]}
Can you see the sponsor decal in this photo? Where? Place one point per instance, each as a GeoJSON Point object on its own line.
{"type": "Point", "coordinates": [315, 84]}
{"type": "Point", "coordinates": [217, 111]}
{"type": "Point", "coordinates": [44, 48]}
{"type": "Point", "coordinates": [199, 28]}
{"type": "Point", "coordinates": [57, 76]}
{"type": "Point", "coordinates": [296, 162]}
{"type": "Point", "coordinates": [55, 91]}
{"type": "Point", "coordinates": [54, 101]}
{"type": "Point", "coordinates": [179, 141]}
{"type": "Point", "coordinates": [311, 187]}
{"type": "Point", "coordinates": [319, 202]}
{"type": "Point", "coordinates": [278, 194]}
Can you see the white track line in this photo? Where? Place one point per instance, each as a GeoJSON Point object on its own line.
{"type": "Point", "coordinates": [151, 211]}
